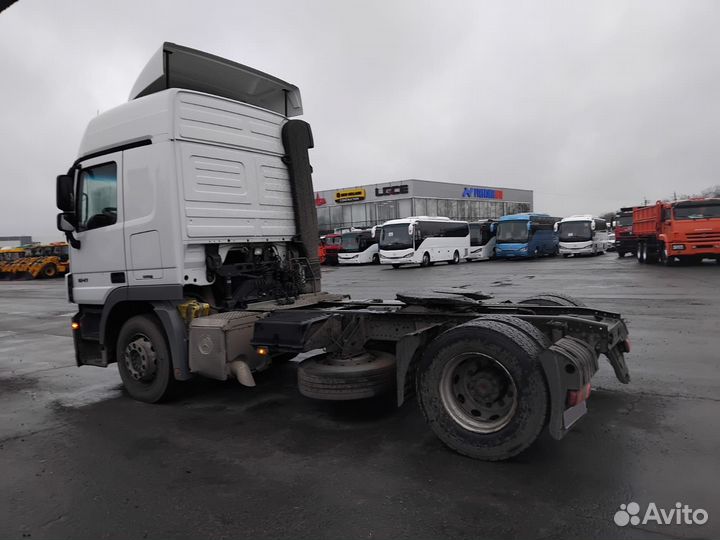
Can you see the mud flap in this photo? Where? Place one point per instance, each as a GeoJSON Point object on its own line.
{"type": "Point", "coordinates": [617, 360]}
{"type": "Point", "coordinates": [569, 364]}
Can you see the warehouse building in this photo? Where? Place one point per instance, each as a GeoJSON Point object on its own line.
{"type": "Point", "coordinates": [373, 204]}
{"type": "Point", "coordinates": [15, 241]}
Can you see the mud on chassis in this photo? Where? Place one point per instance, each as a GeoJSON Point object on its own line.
{"type": "Point", "coordinates": [488, 376]}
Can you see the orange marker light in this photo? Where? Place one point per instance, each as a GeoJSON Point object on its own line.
{"type": "Point", "coordinates": [75, 325]}
{"type": "Point", "coordinates": [263, 351]}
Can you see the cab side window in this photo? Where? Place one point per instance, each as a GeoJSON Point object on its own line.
{"type": "Point", "coordinates": [97, 201]}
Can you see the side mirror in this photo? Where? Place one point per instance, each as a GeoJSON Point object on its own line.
{"type": "Point", "coordinates": [529, 225]}
{"type": "Point", "coordinates": [64, 196]}
{"type": "Point", "coordinates": [555, 226]}
{"type": "Point", "coordinates": [411, 229]}
{"type": "Point", "coordinates": [64, 223]}
{"type": "Point", "coordinates": [373, 231]}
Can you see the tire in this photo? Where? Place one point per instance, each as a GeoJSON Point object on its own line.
{"type": "Point", "coordinates": [396, 266]}
{"type": "Point", "coordinates": [455, 259]}
{"type": "Point", "coordinates": [509, 370]}
{"type": "Point", "coordinates": [142, 341]}
{"type": "Point", "coordinates": [425, 260]}
{"type": "Point", "coordinates": [641, 253]}
{"type": "Point", "coordinates": [49, 271]}
{"type": "Point", "coordinates": [566, 255]}
{"type": "Point", "coordinates": [376, 259]}
{"type": "Point", "coordinates": [553, 299]}
{"type": "Point", "coordinates": [621, 254]}
{"type": "Point", "coordinates": [664, 258]}
{"type": "Point", "coordinates": [650, 257]}
{"type": "Point", "coordinates": [320, 378]}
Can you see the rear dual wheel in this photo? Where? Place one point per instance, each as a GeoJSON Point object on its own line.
{"type": "Point", "coordinates": [481, 387]}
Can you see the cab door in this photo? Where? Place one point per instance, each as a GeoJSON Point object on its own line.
{"type": "Point", "coordinates": [98, 266]}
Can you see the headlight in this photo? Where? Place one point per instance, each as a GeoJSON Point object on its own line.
{"type": "Point", "coordinates": [678, 247]}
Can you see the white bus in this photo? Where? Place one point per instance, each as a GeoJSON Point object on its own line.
{"type": "Point", "coordinates": [582, 235]}
{"type": "Point", "coordinates": [360, 246]}
{"type": "Point", "coordinates": [482, 240]}
{"type": "Point", "coordinates": [424, 240]}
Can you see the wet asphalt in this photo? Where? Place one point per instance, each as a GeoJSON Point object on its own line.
{"type": "Point", "coordinates": [79, 459]}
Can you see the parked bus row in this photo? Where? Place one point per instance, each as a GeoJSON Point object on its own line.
{"type": "Point", "coordinates": [426, 240]}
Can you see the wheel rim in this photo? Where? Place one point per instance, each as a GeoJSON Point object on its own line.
{"type": "Point", "coordinates": [426, 259]}
{"type": "Point", "coordinates": [478, 392]}
{"type": "Point", "coordinates": [140, 358]}
{"type": "Point", "coordinates": [456, 257]}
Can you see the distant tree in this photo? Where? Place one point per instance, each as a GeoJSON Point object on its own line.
{"type": "Point", "coordinates": [608, 216]}
{"type": "Point", "coordinates": [713, 191]}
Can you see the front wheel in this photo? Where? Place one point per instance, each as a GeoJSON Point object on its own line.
{"type": "Point", "coordinates": [50, 271]}
{"type": "Point", "coordinates": [376, 259]}
{"type": "Point", "coordinates": [396, 266]}
{"type": "Point", "coordinates": [143, 359]}
{"type": "Point", "coordinates": [482, 390]}
{"type": "Point", "coordinates": [425, 260]}
{"type": "Point", "coordinates": [621, 254]}
{"type": "Point", "coordinates": [456, 258]}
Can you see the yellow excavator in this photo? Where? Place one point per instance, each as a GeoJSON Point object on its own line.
{"type": "Point", "coordinates": [39, 261]}
{"type": "Point", "coordinates": [53, 262]}
{"type": "Point", "coordinates": [8, 256]}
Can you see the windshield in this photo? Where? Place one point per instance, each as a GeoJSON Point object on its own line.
{"type": "Point", "coordinates": [697, 211]}
{"type": "Point", "coordinates": [512, 232]}
{"type": "Point", "coordinates": [351, 242]}
{"type": "Point", "coordinates": [575, 231]}
{"type": "Point", "coordinates": [624, 221]}
{"type": "Point", "coordinates": [332, 240]}
{"type": "Point", "coordinates": [395, 237]}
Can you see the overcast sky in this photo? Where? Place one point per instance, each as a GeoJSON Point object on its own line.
{"type": "Point", "coordinates": [593, 105]}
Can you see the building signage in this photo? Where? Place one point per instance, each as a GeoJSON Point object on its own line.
{"type": "Point", "coordinates": [482, 193]}
{"type": "Point", "coordinates": [350, 195]}
{"type": "Point", "coordinates": [320, 201]}
{"type": "Point", "coordinates": [392, 190]}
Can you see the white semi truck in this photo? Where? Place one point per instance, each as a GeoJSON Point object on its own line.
{"type": "Point", "coordinates": [190, 214]}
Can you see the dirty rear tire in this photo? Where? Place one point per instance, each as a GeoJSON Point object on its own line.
{"type": "Point", "coordinates": [319, 378]}
{"type": "Point", "coordinates": [553, 299]}
{"type": "Point", "coordinates": [163, 385]}
{"type": "Point", "coordinates": [516, 352]}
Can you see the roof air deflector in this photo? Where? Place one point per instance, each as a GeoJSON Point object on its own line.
{"type": "Point", "coordinates": [174, 66]}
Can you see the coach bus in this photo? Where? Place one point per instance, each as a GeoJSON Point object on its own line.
{"type": "Point", "coordinates": [526, 235]}
{"type": "Point", "coordinates": [424, 240]}
{"type": "Point", "coordinates": [582, 235]}
{"type": "Point", "coordinates": [360, 246]}
{"type": "Point", "coordinates": [482, 240]}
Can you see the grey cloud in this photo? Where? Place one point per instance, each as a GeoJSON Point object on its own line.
{"type": "Point", "coordinates": [591, 104]}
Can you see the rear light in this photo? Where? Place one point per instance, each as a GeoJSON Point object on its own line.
{"type": "Point", "coordinates": [74, 325]}
{"type": "Point", "coordinates": [575, 397]}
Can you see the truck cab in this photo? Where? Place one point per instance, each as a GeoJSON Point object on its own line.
{"type": "Point", "coordinates": [625, 239]}
{"type": "Point", "coordinates": [196, 189]}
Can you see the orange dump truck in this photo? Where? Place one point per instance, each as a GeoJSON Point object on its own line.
{"type": "Point", "coordinates": [685, 231]}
